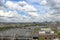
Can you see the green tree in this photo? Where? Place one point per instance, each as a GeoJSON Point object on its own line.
{"type": "Point", "coordinates": [36, 30]}
{"type": "Point", "coordinates": [58, 33]}
{"type": "Point", "coordinates": [41, 38]}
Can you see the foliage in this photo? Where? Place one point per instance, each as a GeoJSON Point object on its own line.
{"type": "Point", "coordinates": [58, 33]}
{"type": "Point", "coordinates": [36, 30]}
{"type": "Point", "coordinates": [41, 38]}
{"type": "Point", "coordinates": [5, 28]}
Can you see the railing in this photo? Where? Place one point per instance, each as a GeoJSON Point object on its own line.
{"type": "Point", "coordinates": [15, 38]}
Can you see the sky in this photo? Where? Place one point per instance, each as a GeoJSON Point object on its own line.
{"type": "Point", "coordinates": [29, 10]}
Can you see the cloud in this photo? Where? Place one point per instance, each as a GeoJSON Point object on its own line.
{"type": "Point", "coordinates": [55, 6]}
{"type": "Point", "coordinates": [48, 10]}
{"type": "Point", "coordinates": [8, 16]}
{"type": "Point", "coordinates": [12, 12]}
{"type": "Point", "coordinates": [13, 16]}
{"type": "Point", "coordinates": [41, 2]}
{"type": "Point", "coordinates": [11, 5]}
{"type": "Point", "coordinates": [22, 6]}
{"type": "Point", "coordinates": [52, 10]}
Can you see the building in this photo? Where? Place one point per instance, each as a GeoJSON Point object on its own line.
{"type": "Point", "coordinates": [47, 34]}
{"type": "Point", "coordinates": [18, 34]}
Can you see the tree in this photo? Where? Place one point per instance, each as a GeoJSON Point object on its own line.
{"type": "Point", "coordinates": [36, 30]}
{"type": "Point", "coordinates": [58, 33]}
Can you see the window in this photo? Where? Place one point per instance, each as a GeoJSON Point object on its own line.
{"type": "Point", "coordinates": [47, 32]}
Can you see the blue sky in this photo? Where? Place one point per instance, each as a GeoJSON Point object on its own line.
{"type": "Point", "coordinates": [29, 10]}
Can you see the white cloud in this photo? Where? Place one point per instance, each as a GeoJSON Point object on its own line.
{"type": "Point", "coordinates": [11, 5]}
{"type": "Point", "coordinates": [56, 1]}
{"type": "Point", "coordinates": [53, 14]}
{"type": "Point", "coordinates": [7, 14]}
{"type": "Point", "coordinates": [31, 10]}
{"type": "Point", "coordinates": [33, 14]}
{"type": "Point", "coordinates": [43, 2]}
{"type": "Point", "coordinates": [51, 17]}
{"type": "Point", "coordinates": [13, 16]}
